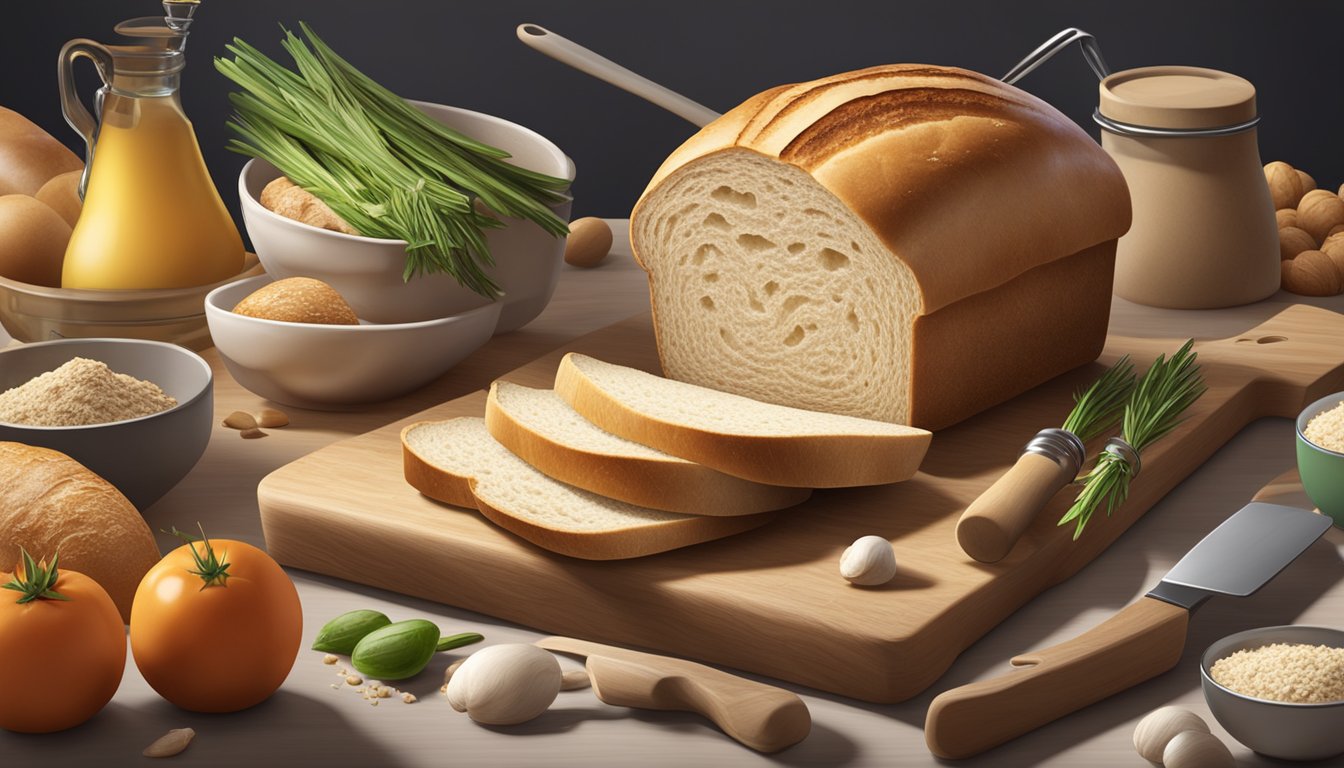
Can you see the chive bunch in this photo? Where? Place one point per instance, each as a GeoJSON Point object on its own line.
{"type": "Point", "coordinates": [1154, 409]}
{"type": "Point", "coordinates": [380, 163]}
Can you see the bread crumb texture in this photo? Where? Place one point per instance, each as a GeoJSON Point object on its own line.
{"type": "Point", "coordinates": [80, 393]}
{"type": "Point", "coordinates": [1291, 672]}
{"type": "Point", "coordinates": [1326, 429]}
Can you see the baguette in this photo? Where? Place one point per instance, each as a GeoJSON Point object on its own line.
{"type": "Point", "coordinates": [459, 463]}
{"type": "Point", "coordinates": [907, 243]}
{"type": "Point", "coordinates": [752, 440]}
{"type": "Point", "coordinates": [540, 428]}
{"type": "Point", "coordinates": [50, 504]}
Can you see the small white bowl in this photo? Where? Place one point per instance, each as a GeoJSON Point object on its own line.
{"type": "Point", "coordinates": [333, 366]}
{"type": "Point", "coordinates": [367, 271]}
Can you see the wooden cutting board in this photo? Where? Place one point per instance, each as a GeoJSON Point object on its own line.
{"type": "Point", "coordinates": [771, 601]}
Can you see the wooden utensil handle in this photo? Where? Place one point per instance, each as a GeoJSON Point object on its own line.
{"type": "Point", "coordinates": [994, 522]}
{"type": "Point", "coordinates": [1138, 643]}
{"type": "Point", "coordinates": [762, 717]}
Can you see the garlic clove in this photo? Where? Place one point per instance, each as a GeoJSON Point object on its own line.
{"type": "Point", "coordinates": [1197, 749]}
{"type": "Point", "coordinates": [1158, 727]}
{"type": "Point", "coordinates": [868, 562]}
{"type": "Point", "coordinates": [505, 684]}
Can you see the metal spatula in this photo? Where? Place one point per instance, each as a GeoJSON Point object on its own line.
{"type": "Point", "coordinates": [1140, 642]}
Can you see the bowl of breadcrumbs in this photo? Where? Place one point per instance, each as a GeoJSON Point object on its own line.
{"type": "Point", "coordinates": [1279, 690]}
{"type": "Point", "coordinates": [1320, 454]}
{"type": "Point", "coordinates": [138, 413]}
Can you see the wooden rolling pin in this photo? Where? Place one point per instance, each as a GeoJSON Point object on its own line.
{"type": "Point", "coordinates": [762, 717]}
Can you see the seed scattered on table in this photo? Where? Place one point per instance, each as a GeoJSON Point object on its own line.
{"type": "Point", "coordinates": [252, 434]}
{"type": "Point", "coordinates": [409, 698]}
{"type": "Point", "coordinates": [330, 658]}
{"type": "Point", "coordinates": [354, 679]}
{"type": "Point", "coordinates": [171, 743]}
{"type": "Point", "coordinates": [271, 418]}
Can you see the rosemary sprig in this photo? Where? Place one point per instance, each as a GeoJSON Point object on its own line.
{"type": "Point", "coordinates": [380, 163]}
{"type": "Point", "coordinates": [1097, 409]}
{"type": "Point", "coordinates": [1155, 408]}
{"type": "Point", "coordinates": [38, 582]}
{"type": "Point", "coordinates": [213, 569]}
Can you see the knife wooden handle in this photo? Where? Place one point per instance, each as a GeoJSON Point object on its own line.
{"type": "Point", "coordinates": [1138, 643]}
{"type": "Point", "coordinates": [994, 522]}
{"type": "Point", "coordinates": [762, 717]}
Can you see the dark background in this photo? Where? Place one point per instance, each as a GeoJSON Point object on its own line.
{"type": "Point", "coordinates": [719, 53]}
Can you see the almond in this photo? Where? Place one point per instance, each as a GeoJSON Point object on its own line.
{"type": "Point", "coordinates": [171, 743]}
{"type": "Point", "coordinates": [1306, 181]}
{"type": "Point", "coordinates": [252, 434]}
{"type": "Point", "coordinates": [240, 420]}
{"type": "Point", "coordinates": [271, 418]}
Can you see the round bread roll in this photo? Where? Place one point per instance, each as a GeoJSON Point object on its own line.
{"type": "Point", "coordinates": [62, 194]}
{"type": "Point", "coordinates": [50, 504]}
{"type": "Point", "coordinates": [298, 300]}
{"type": "Point", "coordinates": [29, 156]}
{"type": "Point", "coordinates": [34, 237]}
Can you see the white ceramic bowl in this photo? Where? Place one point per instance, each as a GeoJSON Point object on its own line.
{"type": "Point", "coordinates": [334, 366]}
{"type": "Point", "coordinates": [368, 271]}
{"type": "Point", "coordinates": [145, 457]}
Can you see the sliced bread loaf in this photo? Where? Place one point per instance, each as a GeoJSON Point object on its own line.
{"type": "Point", "coordinates": [745, 438]}
{"type": "Point", "coordinates": [539, 427]}
{"type": "Point", "coordinates": [458, 462]}
{"type": "Point", "coordinates": [907, 243]}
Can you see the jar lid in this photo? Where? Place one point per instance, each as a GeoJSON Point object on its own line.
{"type": "Point", "coordinates": [1184, 98]}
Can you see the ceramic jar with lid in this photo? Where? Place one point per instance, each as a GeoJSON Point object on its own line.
{"type": "Point", "coordinates": [1204, 234]}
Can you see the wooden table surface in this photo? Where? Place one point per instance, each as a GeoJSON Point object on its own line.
{"type": "Point", "coordinates": [310, 723]}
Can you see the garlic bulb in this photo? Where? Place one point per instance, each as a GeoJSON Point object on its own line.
{"type": "Point", "coordinates": [1196, 749]}
{"type": "Point", "coordinates": [1161, 726]}
{"type": "Point", "coordinates": [869, 561]}
{"type": "Point", "coordinates": [505, 684]}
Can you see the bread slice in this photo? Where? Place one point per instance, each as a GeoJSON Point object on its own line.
{"type": "Point", "coordinates": [540, 428]}
{"type": "Point", "coordinates": [745, 438]}
{"type": "Point", "coordinates": [458, 462]}
{"type": "Point", "coordinates": [907, 243]}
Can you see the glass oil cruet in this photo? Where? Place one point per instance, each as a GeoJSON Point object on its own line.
{"type": "Point", "coordinates": [152, 217]}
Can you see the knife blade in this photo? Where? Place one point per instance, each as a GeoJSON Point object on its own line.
{"type": "Point", "coordinates": [762, 717]}
{"type": "Point", "coordinates": [1140, 642]}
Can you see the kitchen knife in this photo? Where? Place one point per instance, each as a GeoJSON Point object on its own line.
{"type": "Point", "coordinates": [760, 716]}
{"type": "Point", "coordinates": [1140, 642]}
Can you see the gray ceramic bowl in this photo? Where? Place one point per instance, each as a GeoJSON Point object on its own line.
{"type": "Point", "coordinates": [145, 457]}
{"type": "Point", "coordinates": [1276, 728]}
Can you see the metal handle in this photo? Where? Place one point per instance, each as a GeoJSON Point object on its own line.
{"type": "Point", "coordinates": [1048, 49]}
{"type": "Point", "coordinates": [584, 60]}
{"type": "Point", "coordinates": [76, 115]}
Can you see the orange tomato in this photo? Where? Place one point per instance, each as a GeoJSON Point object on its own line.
{"type": "Point", "coordinates": [217, 646]}
{"type": "Point", "coordinates": [61, 660]}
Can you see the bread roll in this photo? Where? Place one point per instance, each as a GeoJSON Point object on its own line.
{"type": "Point", "coordinates": [907, 243]}
{"type": "Point", "coordinates": [29, 156]}
{"type": "Point", "coordinates": [298, 300]}
{"type": "Point", "coordinates": [62, 194]}
{"type": "Point", "coordinates": [49, 504]}
{"type": "Point", "coordinates": [33, 239]}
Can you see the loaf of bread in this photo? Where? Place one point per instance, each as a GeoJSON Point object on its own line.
{"type": "Point", "coordinates": [752, 440]}
{"type": "Point", "coordinates": [539, 427]}
{"type": "Point", "coordinates": [907, 243]}
{"type": "Point", "coordinates": [50, 504]}
{"type": "Point", "coordinates": [29, 156]}
{"type": "Point", "coordinates": [459, 463]}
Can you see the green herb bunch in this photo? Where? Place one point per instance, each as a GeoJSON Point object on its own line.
{"type": "Point", "coordinates": [1155, 408]}
{"type": "Point", "coordinates": [1097, 409]}
{"type": "Point", "coordinates": [381, 164]}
